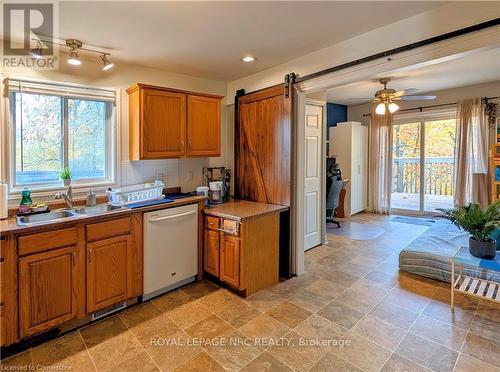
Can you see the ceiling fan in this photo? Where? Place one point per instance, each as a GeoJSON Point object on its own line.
{"type": "Point", "coordinates": [386, 97]}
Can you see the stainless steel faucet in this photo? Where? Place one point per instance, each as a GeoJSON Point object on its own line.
{"type": "Point", "coordinates": [67, 196]}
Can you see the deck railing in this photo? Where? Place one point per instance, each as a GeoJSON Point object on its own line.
{"type": "Point", "coordinates": [439, 174]}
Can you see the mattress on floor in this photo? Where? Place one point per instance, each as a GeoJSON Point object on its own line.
{"type": "Point", "coordinates": [429, 254]}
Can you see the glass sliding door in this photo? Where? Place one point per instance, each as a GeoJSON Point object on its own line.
{"type": "Point", "coordinates": [406, 151]}
{"type": "Point", "coordinates": [423, 164]}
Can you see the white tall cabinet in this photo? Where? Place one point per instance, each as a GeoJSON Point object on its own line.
{"type": "Point", "coordinates": [349, 145]}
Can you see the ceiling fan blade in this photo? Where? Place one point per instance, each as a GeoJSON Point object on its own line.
{"type": "Point", "coordinates": [363, 98]}
{"type": "Point", "coordinates": [404, 92]}
{"type": "Point", "coordinates": [416, 98]}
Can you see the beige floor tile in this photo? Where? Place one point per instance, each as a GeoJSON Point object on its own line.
{"type": "Point", "coordinates": [201, 362]}
{"type": "Point", "coordinates": [332, 362]}
{"type": "Point", "coordinates": [394, 314]}
{"type": "Point", "coordinates": [356, 268]}
{"type": "Point", "coordinates": [284, 289]}
{"type": "Point", "coordinates": [172, 300]}
{"type": "Point", "coordinates": [482, 348]}
{"type": "Point", "coordinates": [208, 328]}
{"type": "Point", "coordinates": [288, 313]}
{"type": "Point", "coordinates": [265, 362]}
{"type": "Point", "coordinates": [296, 354]}
{"type": "Point", "coordinates": [263, 300]}
{"type": "Point", "coordinates": [159, 327]}
{"type": "Point", "coordinates": [111, 352]}
{"type": "Point", "coordinates": [341, 314]}
{"type": "Point", "coordinates": [187, 315]}
{"type": "Point", "coordinates": [238, 313]}
{"type": "Point", "coordinates": [308, 300]}
{"type": "Point", "coordinates": [264, 327]}
{"type": "Point", "coordinates": [20, 361]}
{"type": "Point", "coordinates": [101, 331]}
{"type": "Point", "coordinates": [427, 353]}
{"type": "Point", "coordinates": [489, 310]}
{"type": "Point", "coordinates": [139, 314]}
{"type": "Point", "coordinates": [443, 294]}
{"type": "Point", "coordinates": [363, 353]}
{"type": "Point", "coordinates": [174, 351]}
{"type": "Point", "coordinates": [442, 333]}
{"type": "Point", "coordinates": [317, 327]}
{"type": "Point", "coordinates": [304, 280]}
{"type": "Point", "coordinates": [407, 300]}
{"type": "Point", "coordinates": [362, 296]}
{"type": "Point", "coordinates": [442, 312]}
{"type": "Point", "coordinates": [57, 350]}
{"type": "Point", "coordinates": [325, 288]}
{"type": "Point", "coordinates": [140, 362]}
{"type": "Point", "coordinates": [218, 300]}
{"type": "Point", "coordinates": [200, 289]}
{"type": "Point", "coordinates": [397, 363]}
{"type": "Point", "coordinates": [380, 332]}
{"type": "Point", "coordinates": [234, 351]}
{"type": "Point", "coordinates": [317, 269]}
{"type": "Point", "coordinates": [382, 278]}
{"type": "Point", "coordinates": [342, 278]}
{"type": "Point", "coordinates": [486, 327]}
{"type": "Point", "coordinates": [467, 364]}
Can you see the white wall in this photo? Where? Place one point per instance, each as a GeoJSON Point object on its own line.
{"type": "Point", "coordinates": [186, 173]}
{"type": "Point", "coordinates": [491, 89]}
{"type": "Point", "coordinates": [449, 17]}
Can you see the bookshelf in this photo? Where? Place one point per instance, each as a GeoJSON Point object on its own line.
{"type": "Point", "coordinates": [495, 171]}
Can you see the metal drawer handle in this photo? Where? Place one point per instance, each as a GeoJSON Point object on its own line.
{"type": "Point", "coordinates": [172, 217]}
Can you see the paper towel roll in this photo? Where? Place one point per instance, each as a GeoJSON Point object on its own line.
{"type": "Point", "coordinates": [3, 201]}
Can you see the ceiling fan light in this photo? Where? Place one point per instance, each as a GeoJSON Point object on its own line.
{"type": "Point", "coordinates": [74, 59]}
{"type": "Point", "coordinates": [393, 107]}
{"type": "Point", "coordinates": [380, 109]}
{"type": "Point", "coordinates": [107, 65]}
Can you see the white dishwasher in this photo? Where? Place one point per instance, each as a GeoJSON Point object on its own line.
{"type": "Point", "coordinates": [170, 249]}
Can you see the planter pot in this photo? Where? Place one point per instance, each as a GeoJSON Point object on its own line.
{"type": "Point", "coordinates": [482, 249]}
{"type": "Point", "coordinates": [67, 182]}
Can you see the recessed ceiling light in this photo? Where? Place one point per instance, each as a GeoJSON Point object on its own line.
{"type": "Point", "coordinates": [248, 59]}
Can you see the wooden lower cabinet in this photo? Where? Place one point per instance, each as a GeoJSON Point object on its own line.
{"type": "Point", "coordinates": [48, 289]}
{"type": "Point", "coordinates": [109, 272]}
{"type": "Point", "coordinates": [211, 254]}
{"type": "Point", "coordinates": [230, 260]}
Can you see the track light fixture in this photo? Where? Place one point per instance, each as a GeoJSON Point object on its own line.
{"type": "Point", "coordinates": [74, 46]}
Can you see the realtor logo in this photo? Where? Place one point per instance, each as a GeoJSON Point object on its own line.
{"type": "Point", "coordinates": [29, 31]}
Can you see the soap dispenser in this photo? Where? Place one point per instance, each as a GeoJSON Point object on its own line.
{"type": "Point", "coordinates": [91, 201]}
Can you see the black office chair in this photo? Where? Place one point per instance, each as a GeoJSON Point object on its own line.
{"type": "Point", "coordinates": [332, 199]}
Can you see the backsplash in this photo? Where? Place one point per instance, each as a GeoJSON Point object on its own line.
{"type": "Point", "coordinates": [134, 172]}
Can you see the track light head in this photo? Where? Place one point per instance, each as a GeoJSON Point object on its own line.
{"type": "Point", "coordinates": [107, 65]}
{"type": "Point", "coordinates": [73, 58]}
{"type": "Point", "coordinates": [37, 53]}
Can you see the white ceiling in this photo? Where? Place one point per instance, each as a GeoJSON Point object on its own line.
{"type": "Point", "coordinates": [476, 68]}
{"type": "Point", "coordinates": [207, 39]}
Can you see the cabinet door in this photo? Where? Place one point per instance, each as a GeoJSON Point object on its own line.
{"type": "Point", "coordinates": [211, 254]}
{"type": "Point", "coordinates": [163, 124]}
{"type": "Point", "coordinates": [47, 289]}
{"type": "Point", "coordinates": [109, 272]}
{"type": "Point", "coordinates": [230, 260]}
{"type": "Point", "coordinates": [203, 126]}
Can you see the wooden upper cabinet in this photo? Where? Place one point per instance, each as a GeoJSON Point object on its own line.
{"type": "Point", "coordinates": [170, 123]}
{"type": "Point", "coordinates": [203, 126]}
{"type": "Point", "coordinates": [48, 289]}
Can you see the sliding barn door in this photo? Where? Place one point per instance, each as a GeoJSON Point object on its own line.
{"type": "Point", "coordinates": [263, 140]}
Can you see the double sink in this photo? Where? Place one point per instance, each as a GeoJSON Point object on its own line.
{"type": "Point", "coordinates": [63, 214]}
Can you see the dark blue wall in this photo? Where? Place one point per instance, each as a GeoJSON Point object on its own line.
{"type": "Point", "coordinates": [335, 114]}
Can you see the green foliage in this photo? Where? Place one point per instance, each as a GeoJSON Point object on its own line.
{"type": "Point", "coordinates": [65, 174]}
{"type": "Point", "coordinates": [479, 222]}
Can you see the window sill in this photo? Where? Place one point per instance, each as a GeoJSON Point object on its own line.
{"type": "Point", "coordinates": [79, 191]}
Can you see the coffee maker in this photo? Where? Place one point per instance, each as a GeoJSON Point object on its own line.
{"type": "Point", "coordinates": [218, 181]}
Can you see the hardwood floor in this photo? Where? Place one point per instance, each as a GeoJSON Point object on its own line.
{"type": "Point", "coordinates": [351, 311]}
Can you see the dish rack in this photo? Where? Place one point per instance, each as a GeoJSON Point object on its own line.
{"type": "Point", "coordinates": [136, 193]}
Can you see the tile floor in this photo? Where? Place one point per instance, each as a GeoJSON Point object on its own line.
{"type": "Point", "coordinates": [351, 311]}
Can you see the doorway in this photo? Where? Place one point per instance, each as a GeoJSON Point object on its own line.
{"type": "Point", "coordinates": [423, 166]}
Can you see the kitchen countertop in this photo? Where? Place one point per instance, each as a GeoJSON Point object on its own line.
{"type": "Point", "coordinates": [10, 226]}
{"type": "Point", "coordinates": [243, 209]}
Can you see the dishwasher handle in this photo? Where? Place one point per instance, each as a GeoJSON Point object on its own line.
{"type": "Point", "coordinates": [172, 217]}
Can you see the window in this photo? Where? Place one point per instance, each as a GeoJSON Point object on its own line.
{"type": "Point", "coordinates": [54, 127]}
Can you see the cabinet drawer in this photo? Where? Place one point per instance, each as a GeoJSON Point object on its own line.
{"type": "Point", "coordinates": [108, 229]}
{"type": "Point", "coordinates": [211, 223]}
{"type": "Point", "coordinates": [48, 240]}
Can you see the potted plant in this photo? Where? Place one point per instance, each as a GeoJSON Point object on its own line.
{"type": "Point", "coordinates": [480, 224]}
{"type": "Point", "coordinates": [65, 175]}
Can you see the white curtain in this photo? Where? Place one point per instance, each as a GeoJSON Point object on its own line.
{"type": "Point", "coordinates": [471, 154]}
{"type": "Point", "coordinates": [380, 163]}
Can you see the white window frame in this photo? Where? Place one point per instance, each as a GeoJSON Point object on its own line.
{"type": "Point", "coordinates": [65, 91]}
